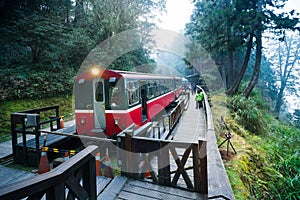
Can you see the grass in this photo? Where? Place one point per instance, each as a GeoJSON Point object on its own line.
{"type": "Point", "coordinates": [66, 109]}
{"type": "Point", "coordinates": [267, 165]}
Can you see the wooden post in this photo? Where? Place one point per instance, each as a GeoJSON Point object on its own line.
{"type": "Point", "coordinates": [89, 179]}
{"type": "Point", "coordinates": [203, 166]}
{"type": "Point", "coordinates": [24, 151]}
{"type": "Point", "coordinates": [57, 116]}
{"type": "Point", "coordinates": [57, 192]}
{"type": "Point", "coordinates": [128, 148]}
{"type": "Point", "coordinates": [164, 174]}
{"type": "Point", "coordinates": [37, 140]}
{"type": "Point", "coordinates": [14, 119]}
{"type": "Point", "coordinates": [196, 168]}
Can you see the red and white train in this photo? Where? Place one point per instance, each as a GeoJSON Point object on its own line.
{"type": "Point", "coordinates": [108, 101]}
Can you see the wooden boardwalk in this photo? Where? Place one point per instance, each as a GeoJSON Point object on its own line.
{"type": "Point", "coordinates": [192, 128]}
{"type": "Point", "coordinates": [51, 138]}
{"type": "Point", "coordinates": [123, 188]}
{"type": "Point", "coordinates": [6, 147]}
{"type": "Point", "coordinates": [10, 175]}
{"type": "Point", "coordinates": [192, 125]}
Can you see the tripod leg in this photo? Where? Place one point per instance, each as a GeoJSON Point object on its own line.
{"type": "Point", "coordinates": [232, 147]}
{"type": "Point", "coordinates": [228, 146]}
{"type": "Point", "coordinates": [222, 143]}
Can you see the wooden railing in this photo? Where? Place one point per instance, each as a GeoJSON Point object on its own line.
{"type": "Point", "coordinates": [218, 182]}
{"type": "Point", "coordinates": [175, 114]}
{"type": "Point", "coordinates": [143, 155]}
{"type": "Point", "coordinates": [30, 122]}
{"type": "Point", "coordinates": [74, 179]}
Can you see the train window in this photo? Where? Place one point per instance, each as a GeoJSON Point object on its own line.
{"type": "Point", "coordinates": [150, 89]}
{"type": "Point", "coordinates": [115, 95]}
{"type": "Point", "coordinates": [156, 89]}
{"type": "Point", "coordinates": [133, 92]}
{"type": "Point", "coordinates": [99, 92]}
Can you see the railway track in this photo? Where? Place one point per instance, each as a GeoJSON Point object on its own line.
{"type": "Point", "coordinates": [6, 160]}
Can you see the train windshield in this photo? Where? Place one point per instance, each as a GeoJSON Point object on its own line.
{"type": "Point", "coordinates": [115, 95]}
{"type": "Point", "coordinates": [99, 92]}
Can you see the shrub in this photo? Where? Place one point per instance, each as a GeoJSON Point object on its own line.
{"type": "Point", "coordinates": [247, 113]}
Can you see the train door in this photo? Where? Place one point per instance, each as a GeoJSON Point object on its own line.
{"type": "Point", "coordinates": [143, 87]}
{"type": "Point", "coordinates": [99, 104]}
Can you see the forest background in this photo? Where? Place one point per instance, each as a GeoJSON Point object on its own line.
{"type": "Point", "coordinates": [44, 42]}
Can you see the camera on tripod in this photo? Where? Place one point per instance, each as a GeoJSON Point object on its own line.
{"type": "Point", "coordinates": [228, 136]}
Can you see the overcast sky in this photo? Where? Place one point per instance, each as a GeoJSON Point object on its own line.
{"type": "Point", "coordinates": [179, 12]}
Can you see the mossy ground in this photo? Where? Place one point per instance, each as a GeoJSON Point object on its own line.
{"type": "Point", "coordinates": [266, 165]}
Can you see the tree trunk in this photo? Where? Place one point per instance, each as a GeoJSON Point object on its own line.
{"type": "Point", "coordinates": [256, 72]}
{"type": "Point", "coordinates": [235, 86]}
{"type": "Point", "coordinates": [230, 70]}
{"type": "Point", "coordinates": [279, 100]}
{"type": "Point", "coordinates": [67, 16]}
{"type": "Point", "coordinates": [258, 36]}
{"type": "Point", "coordinates": [79, 11]}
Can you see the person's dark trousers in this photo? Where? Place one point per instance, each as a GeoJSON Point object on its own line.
{"type": "Point", "coordinates": [199, 104]}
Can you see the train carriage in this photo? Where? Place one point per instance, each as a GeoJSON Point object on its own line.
{"type": "Point", "coordinates": [108, 101]}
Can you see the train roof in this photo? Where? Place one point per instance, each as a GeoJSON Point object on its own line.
{"type": "Point", "coordinates": [129, 74]}
{"type": "Point", "coordinates": [107, 73]}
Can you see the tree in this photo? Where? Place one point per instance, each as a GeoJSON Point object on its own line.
{"type": "Point", "coordinates": [51, 35]}
{"type": "Point", "coordinates": [296, 116]}
{"type": "Point", "coordinates": [285, 58]}
{"type": "Point", "coordinates": [238, 27]}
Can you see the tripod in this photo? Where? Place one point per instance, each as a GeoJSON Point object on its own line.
{"type": "Point", "coordinates": [228, 137]}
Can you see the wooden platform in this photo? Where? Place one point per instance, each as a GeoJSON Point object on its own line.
{"type": "Point", "coordinates": [10, 175]}
{"type": "Point", "coordinates": [56, 141]}
{"type": "Point", "coordinates": [51, 138]}
{"type": "Point", "coordinates": [131, 189]}
{"type": "Point", "coordinates": [192, 125]}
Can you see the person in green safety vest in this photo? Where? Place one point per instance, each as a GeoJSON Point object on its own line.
{"type": "Point", "coordinates": [199, 99]}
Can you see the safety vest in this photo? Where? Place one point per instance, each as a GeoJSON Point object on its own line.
{"type": "Point", "coordinates": [199, 96]}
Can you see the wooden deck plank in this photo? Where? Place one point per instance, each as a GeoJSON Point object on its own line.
{"type": "Point", "coordinates": [117, 184]}
{"type": "Point", "coordinates": [132, 196]}
{"type": "Point", "coordinates": [192, 124]}
{"type": "Point", "coordinates": [149, 192]}
{"type": "Point", "coordinates": [165, 189]}
{"type": "Point", "coordinates": [113, 189]}
{"type": "Point", "coordinates": [102, 182]}
{"type": "Point", "coordinates": [51, 138]}
{"type": "Point", "coordinates": [107, 196]}
{"type": "Point", "coordinates": [10, 175]}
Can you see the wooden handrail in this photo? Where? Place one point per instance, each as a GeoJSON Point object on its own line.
{"type": "Point", "coordinates": [53, 183]}
{"type": "Point", "coordinates": [218, 185]}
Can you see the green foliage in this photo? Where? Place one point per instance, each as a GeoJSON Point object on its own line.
{"type": "Point", "coordinates": [247, 112]}
{"type": "Point", "coordinates": [65, 107]}
{"type": "Point", "coordinates": [136, 60]}
{"type": "Point", "coordinates": [283, 145]}
{"type": "Point", "coordinates": [296, 116]}
{"type": "Point", "coordinates": [270, 167]}
{"type": "Point", "coordinates": [44, 43]}
{"type": "Point", "coordinates": [224, 27]}
{"type": "Point", "coordinates": [24, 83]}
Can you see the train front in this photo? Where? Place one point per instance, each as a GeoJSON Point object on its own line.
{"type": "Point", "coordinates": [95, 92]}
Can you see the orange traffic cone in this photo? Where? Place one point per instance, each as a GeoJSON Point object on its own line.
{"type": "Point", "coordinates": [44, 165]}
{"type": "Point", "coordinates": [66, 156]}
{"type": "Point", "coordinates": [147, 172]}
{"type": "Point", "coordinates": [98, 165]}
{"type": "Point", "coordinates": [108, 171]}
{"type": "Point", "coordinates": [61, 122]}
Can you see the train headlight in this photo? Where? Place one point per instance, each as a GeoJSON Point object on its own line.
{"type": "Point", "coordinates": [95, 71]}
{"type": "Point", "coordinates": [82, 121]}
